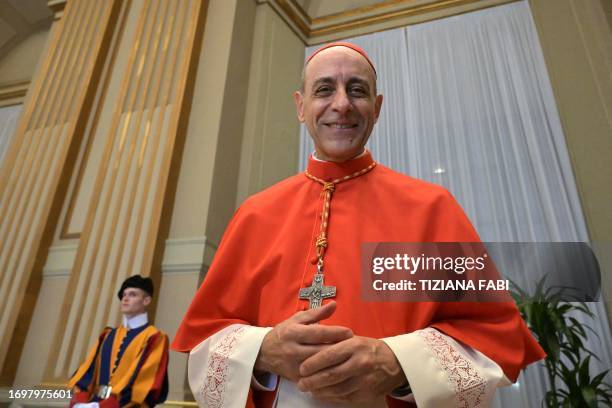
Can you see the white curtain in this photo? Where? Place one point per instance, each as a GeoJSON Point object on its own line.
{"type": "Point", "coordinates": [8, 124]}
{"type": "Point", "coordinates": [468, 105]}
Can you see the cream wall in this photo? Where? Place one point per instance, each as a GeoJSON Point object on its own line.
{"type": "Point", "coordinates": [19, 65]}
{"type": "Point", "coordinates": [271, 134]}
{"type": "Point", "coordinates": [46, 314]}
{"type": "Point", "coordinates": [175, 293]}
{"type": "Point", "coordinates": [607, 5]}
{"type": "Point", "coordinates": [21, 62]}
{"type": "Point", "coordinates": [191, 205]}
{"type": "Point", "coordinates": [576, 41]}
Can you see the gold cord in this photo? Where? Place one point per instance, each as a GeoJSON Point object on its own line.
{"type": "Point", "coordinates": [328, 190]}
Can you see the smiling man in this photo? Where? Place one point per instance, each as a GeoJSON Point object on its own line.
{"type": "Point", "coordinates": [290, 258]}
{"type": "Point", "coordinates": [127, 367]}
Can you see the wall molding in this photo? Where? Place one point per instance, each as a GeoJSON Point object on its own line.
{"type": "Point", "coordinates": [14, 92]}
{"type": "Point", "coordinates": [371, 18]}
{"type": "Point", "coordinates": [60, 260]}
{"type": "Point", "coordinates": [184, 255]}
{"type": "Point", "coordinates": [181, 255]}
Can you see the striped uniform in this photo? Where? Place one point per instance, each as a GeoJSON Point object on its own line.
{"type": "Point", "coordinates": [133, 362]}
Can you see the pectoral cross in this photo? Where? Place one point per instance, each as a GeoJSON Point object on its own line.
{"type": "Point", "coordinates": [316, 292]}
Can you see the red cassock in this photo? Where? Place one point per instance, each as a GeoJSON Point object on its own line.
{"type": "Point", "coordinates": [268, 253]}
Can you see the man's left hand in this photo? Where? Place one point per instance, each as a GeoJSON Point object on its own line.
{"type": "Point", "coordinates": [359, 369]}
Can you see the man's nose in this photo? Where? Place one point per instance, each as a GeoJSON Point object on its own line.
{"type": "Point", "coordinates": [341, 102]}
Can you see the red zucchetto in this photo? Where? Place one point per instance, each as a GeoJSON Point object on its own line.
{"type": "Point", "coordinates": [342, 44]}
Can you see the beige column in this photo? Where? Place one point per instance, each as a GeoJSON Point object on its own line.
{"type": "Point", "coordinates": [577, 45]}
{"type": "Point", "coordinates": [270, 147]}
{"type": "Point", "coordinates": [32, 179]}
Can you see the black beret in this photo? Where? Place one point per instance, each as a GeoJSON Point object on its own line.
{"type": "Point", "coordinates": [139, 282]}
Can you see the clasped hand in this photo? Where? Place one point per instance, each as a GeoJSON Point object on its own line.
{"type": "Point", "coordinates": [330, 362]}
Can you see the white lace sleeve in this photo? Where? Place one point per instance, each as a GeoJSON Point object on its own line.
{"type": "Point", "coordinates": [445, 373]}
{"type": "Point", "coordinates": [227, 355]}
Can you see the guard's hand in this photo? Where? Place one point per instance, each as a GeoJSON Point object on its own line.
{"type": "Point", "coordinates": [292, 341]}
{"type": "Point", "coordinates": [357, 370]}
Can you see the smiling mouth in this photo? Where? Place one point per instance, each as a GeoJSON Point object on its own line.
{"type": "Point", "coordinates": [341, 125]}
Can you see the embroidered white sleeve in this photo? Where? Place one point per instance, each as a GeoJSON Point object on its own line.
{"type": "Point", "coordinates": [445, 373]}
{"type": "Point", "coordinates": [227, 355]}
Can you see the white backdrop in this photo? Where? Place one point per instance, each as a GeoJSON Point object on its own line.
{"type": "Point", "coordinates": [8, 124]}
{"type": "Point", "coordinates": [468, 104]}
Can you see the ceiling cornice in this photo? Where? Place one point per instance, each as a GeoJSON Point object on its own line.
{"type": "Point", "coordinates": [370, 18]}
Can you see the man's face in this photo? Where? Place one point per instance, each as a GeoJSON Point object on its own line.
{"type": "Point", "coordinates": [338, 104]}
{"type": "Point", "coordinates": [134, 301]}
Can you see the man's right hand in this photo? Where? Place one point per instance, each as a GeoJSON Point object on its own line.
{"type": "Point", "coordinates": [292, 341]}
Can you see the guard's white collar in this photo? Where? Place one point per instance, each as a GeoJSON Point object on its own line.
{"type": "Point", "coordinates": [135, 321]}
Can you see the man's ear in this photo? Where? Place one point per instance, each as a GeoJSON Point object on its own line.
{"type": "Point", "coordinates": [298, 98]}
{"type": "Point", "coordinates": [147, 300]}
{"type": "Point", "coordinates": [377, 106]}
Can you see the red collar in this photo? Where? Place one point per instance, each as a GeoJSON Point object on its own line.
{"type": "Point", "coordinates": [328, 171]}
